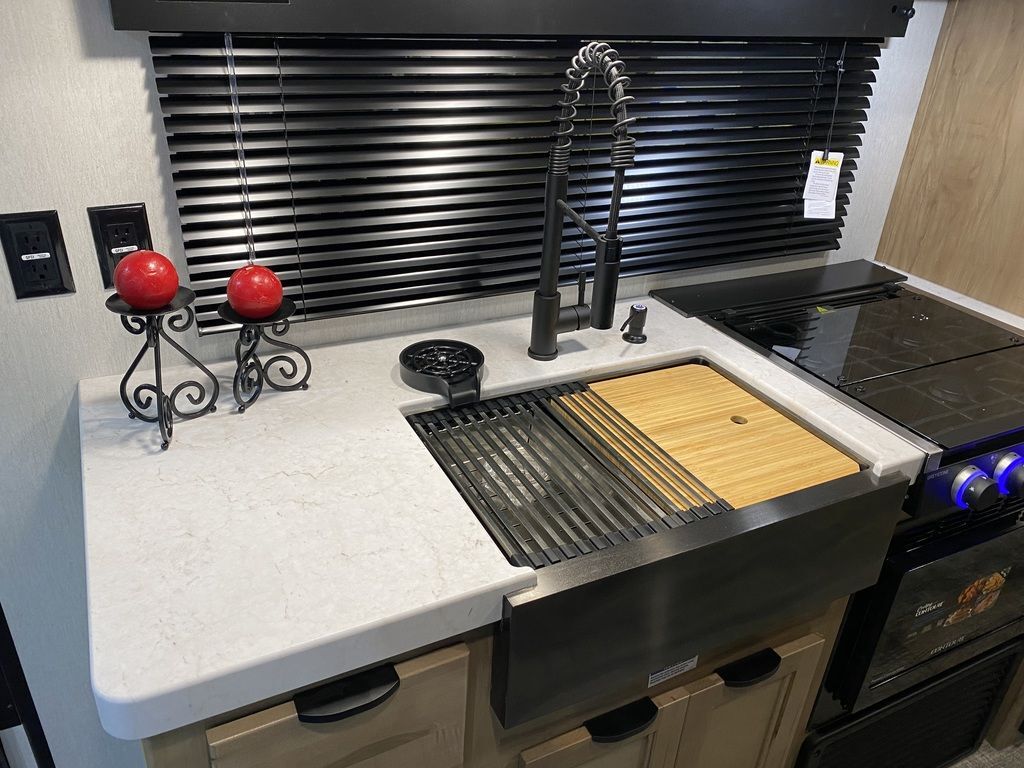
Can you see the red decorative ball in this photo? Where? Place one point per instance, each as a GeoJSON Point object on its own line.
{"type": "Point", "coordinates": [146, 280]}
{"type": "Point", "coordinates": [254, 292]}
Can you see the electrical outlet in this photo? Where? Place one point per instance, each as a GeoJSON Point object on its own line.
{"type": "Point", "coordinates": [36, 255]}
{"type": "Point", "coordinates": [118, 230]}
{"type": "Point", "coordinates": [32, 243]}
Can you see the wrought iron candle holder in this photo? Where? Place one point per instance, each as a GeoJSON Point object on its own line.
{"type": "Point", "coordinates": [293, 366]}
{"type": "Point", "coordinates": [148, 401]}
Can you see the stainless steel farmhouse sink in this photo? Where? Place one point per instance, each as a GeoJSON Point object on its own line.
{"type": "Point", "coordinates": [667, 514]}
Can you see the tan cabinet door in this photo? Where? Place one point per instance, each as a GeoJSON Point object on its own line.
{"type": "Point", "coordinates": [753, 726]}
{"type": "Point", "coordinates": [422, 726]}
{"type": "Point", "coordinates": [654, 747]}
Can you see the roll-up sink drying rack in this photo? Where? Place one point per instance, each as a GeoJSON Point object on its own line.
{"type": "Point", "coordinates": [557, 473]}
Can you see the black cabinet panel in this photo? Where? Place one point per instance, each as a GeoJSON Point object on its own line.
{"type": "Point", "coordinates": [721, 18]}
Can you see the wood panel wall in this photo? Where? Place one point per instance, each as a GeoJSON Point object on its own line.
{"type": "Point", "coordinates": [957, 215]}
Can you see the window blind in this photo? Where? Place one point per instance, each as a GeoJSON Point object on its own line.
{"type": "Point", "coordinates": [394, 172]}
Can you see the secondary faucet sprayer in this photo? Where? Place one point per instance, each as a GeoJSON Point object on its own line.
{"type": "Point", "coordinates": [549, 317]}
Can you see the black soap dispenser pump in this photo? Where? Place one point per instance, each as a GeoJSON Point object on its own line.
{"type": "Point", "coordinates": [634, 326]}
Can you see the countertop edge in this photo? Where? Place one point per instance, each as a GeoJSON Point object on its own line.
{"type": "Point", "coordinates": [151, 714]}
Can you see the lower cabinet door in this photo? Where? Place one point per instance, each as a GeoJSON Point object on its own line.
{"type": "Point", "coordinates": [420, 723]}
{"type": "Point", "coordinates": [748, 713]}
{"type": "Point", "coordinates": [643, 734]}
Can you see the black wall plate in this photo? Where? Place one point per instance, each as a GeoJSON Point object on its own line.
{"type": "Point", "coordinates": [36, 255]}
{"type": "Point", "coordinates": [118, 230]}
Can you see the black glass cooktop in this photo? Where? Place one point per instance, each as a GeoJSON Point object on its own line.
{"type": "Point", "coordinates": [866, 338]}
{"type": "Point", "coordinates": [956, 403]}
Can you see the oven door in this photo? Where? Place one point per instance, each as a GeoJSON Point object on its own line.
{"type": "Point", "coordinates": [934, 608]}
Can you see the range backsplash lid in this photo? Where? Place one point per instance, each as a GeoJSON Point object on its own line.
{"type": "Point", "coordinates": [778, 288]}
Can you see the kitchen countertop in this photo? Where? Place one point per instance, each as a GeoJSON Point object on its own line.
{"type": "Point", "coordinates": [314, 534]}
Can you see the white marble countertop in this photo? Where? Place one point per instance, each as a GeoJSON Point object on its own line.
{"type": "Point", "coordinates": [314, 534]}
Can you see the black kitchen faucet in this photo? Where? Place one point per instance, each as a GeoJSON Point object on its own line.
{"type": "Point", "coordinates": [549, 317]}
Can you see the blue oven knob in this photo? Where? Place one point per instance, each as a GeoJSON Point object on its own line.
{"type": "Point", "coordinates": [1009, 474]}
{"type": "Point", "coordinates": [974, 490]}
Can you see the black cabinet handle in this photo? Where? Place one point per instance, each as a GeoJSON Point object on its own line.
{"type": "Point", "coordinates": [750, 670]}
{"type": "Point", "coordinates": [347, 697]}
{"type": "Point", "coordinates": [628, 720]}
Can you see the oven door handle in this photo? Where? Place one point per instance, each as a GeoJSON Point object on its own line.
{"type": "Point", "coordinates": [750, 670]}
{"type": "Point", "coordinates": [619, 724]}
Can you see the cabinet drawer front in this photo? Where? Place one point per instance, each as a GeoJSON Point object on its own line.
{"type": "Point", "coordinates": [752, 726]}
{"type": "Point", "coordinates": [422, 725]}
{"type": "Point", "coordinates": [654, 747]}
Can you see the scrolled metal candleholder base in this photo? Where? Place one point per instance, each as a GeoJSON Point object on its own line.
{"type": "Point", "coordinates": [148, 402]}
{"type": "Point", "coordinates": [252, 372]}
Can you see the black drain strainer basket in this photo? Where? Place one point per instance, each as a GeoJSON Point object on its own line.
{"type": "Point", "coordinates": [446, 367]}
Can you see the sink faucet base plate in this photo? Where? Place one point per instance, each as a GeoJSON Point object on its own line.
{"type": "Point", "coordinates": [539, 356]}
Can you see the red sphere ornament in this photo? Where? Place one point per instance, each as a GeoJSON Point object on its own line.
{"type": "Point", "coordinates": [146, 280]}
{"type": "Point", "coordinates": [254, 292]}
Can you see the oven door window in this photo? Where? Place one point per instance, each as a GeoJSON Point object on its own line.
{"type": "Point", "coordinates": [950, 600]}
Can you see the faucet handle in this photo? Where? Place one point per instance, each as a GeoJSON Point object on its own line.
{"type": "Point", "coordinates": [635, 322]}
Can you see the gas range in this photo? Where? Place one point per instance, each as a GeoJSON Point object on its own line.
{"type": "Point", "coordinates": [946, 380]}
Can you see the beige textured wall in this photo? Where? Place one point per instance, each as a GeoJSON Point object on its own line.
{"type": "Point", "coordinates": [903, 71]}
{"type": "Point", "coordinates": [75, 130]}
{"type": "Point", "coordinates": [78, 127]}
{"type": "Point", "coordinates": [956, 213]}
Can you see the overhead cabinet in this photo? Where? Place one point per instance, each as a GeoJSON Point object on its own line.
{"type": "Point", "coordinates": [682, 18]}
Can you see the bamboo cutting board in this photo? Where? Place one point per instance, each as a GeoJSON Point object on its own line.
{"type": "Point", "coordinates": [740, 447]}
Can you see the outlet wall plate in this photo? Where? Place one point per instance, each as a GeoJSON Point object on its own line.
{"type": "Point", "coordinates": [118, 230]}
{"type": "Point", "coordinates": [36, 255]}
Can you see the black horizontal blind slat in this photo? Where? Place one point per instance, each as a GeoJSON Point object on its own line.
{"type": "Point", "coordinates": [387, 173]}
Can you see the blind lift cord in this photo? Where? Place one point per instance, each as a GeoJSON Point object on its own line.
{"type": "Point", "coordinates": [840, 70]}
{"type": "Point", "coordinates": [236, 113]}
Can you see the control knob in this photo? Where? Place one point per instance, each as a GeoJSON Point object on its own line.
{"type": "Point", "coordinates": [1009, 474]}
{"type": "Point", "coordinates": [974, 490]}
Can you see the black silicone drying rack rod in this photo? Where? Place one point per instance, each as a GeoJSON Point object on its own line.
{"type": "Point", "coordinates": [535, 505]}
{"type": "Point", "coordinates": [625, 511]}
{"type": "Point", "coordinates": [532, 504]}
{"type": "Point", "coordinates": [611, 461]}
{"type": "Point", "coordinates": [612, 501]}
{"type": "Point", "coordinates": [656, 459]}
{"type": "Point", "coordinates": [468, 472]}
{"type": "Point", "coordinates": [684, 502]}
{"type": "Point", "coordinates": [552, 505]}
